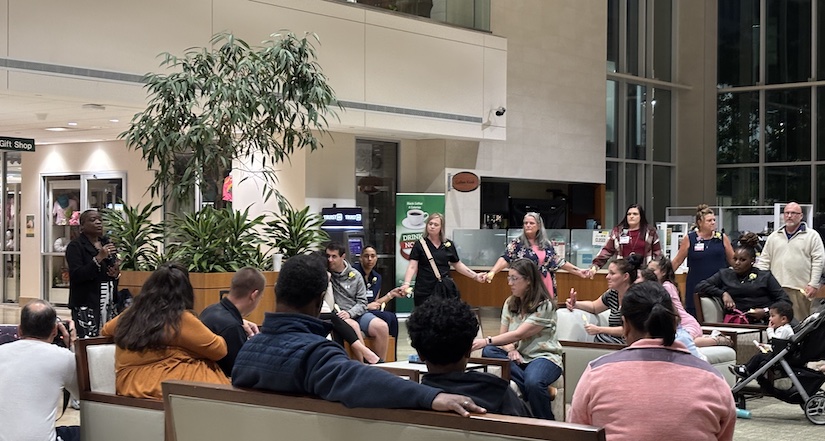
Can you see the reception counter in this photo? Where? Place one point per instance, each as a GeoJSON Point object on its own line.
{"type": "Point", "coordinates": [493, 294]}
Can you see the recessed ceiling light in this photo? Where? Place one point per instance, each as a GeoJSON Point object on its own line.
{"type": "Point", "coordinates": [71, 123]}
{"type": "Point", "coordinates": [114, 120]}
{"type": "Point", "coordinates": [56, 129]}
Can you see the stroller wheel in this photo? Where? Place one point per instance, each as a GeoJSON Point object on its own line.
{"type": "Point", "coordinates": [815, 409]}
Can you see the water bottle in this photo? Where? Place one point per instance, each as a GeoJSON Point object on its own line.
{"type": "Point", "coordinates": [743, 413]}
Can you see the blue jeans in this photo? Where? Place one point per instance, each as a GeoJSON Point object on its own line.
{"type": "Point", "coordinates": [532, 378]}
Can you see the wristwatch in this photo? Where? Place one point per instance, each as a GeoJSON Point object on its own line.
{"type": "Point", "coordinates": [489, 340]}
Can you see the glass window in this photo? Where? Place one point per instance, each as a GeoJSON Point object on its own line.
{"type": "Point", "coordinates": [820, 44]}
{"type": "Point", "coordinates": [633, 41]}
{"type": "Point", "coordinates": [611, 197]}
{"type": "Point", "coordinates": [612, 138]}
{"type": "Point", "coordinates": [820, 123]}
{"type": "Point", "coordinates": [788, 125]}
{"type": "Point", "coordinates": [738, 42]}
{"type": "Point", "coordinates": [788, 42]}
{"type": "Point", "coordinates": [375, 179]}
{"type": "Point", "coordinates": [662, 108]}
{"type": "Point", "coordinates": [636, 142]}
{"type": "Point", "coordinates": [737, 127]}
{"type": "Point", "coordinates": [737, 186]}
{"type": "Point", "coordinates": [612, 36]}
{"type": "Point", "coordinates": [662, 39]}
{"type": "Point", "coordinates": [792, 183]}
{"type": "Point", "coordinates": [634, 191]}
{"type": "Point", "coordinates": [820, 191]}
{"type": "Point", "coordinates": [661, 193]}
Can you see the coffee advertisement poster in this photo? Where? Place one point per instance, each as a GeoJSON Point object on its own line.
{"type": "Point", "coordinates": [411, 214]}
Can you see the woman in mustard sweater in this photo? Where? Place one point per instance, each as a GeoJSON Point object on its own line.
{"type": "Point", "coordinates": [159, 338]}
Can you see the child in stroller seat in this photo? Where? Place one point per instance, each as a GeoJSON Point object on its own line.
{"type": "Point", "coordinates": [779, 327]}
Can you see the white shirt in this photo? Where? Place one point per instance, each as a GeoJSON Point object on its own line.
{"type": "Point", "coordinates": [32, 375]}
{"type": "Point", "coordinates": [783, 332]}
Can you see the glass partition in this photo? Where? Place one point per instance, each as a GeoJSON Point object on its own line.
{"type": "Point", "coordinates": [585, 246]}
{"type": "Point", "coordinates": [480, 247]}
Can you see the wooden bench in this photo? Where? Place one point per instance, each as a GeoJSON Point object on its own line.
{"type": "Point", "coordinates": [104, 415]}
{"type": "Point", "coordinates": [198, 411]}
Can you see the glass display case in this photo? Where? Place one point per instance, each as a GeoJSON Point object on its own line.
{"type": "Point", "coordinates": [65, 198]}
{"type": "Point", "coordinates": [481, 248]}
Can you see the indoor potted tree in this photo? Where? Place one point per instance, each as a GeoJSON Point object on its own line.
{"type": "Point", "coordinates": [230, 105]}
{"type": "Point", "coordinates": [225, 106]}
{"type": "Point", "coordinates": [138, 241]}
{"type": "Point", "coordinates": [295, 232]}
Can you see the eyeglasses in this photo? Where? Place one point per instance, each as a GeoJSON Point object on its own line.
{"type": "Point", "coordinates": [514, 278]}
{"type": "Point", "coordinates": [792, 213]}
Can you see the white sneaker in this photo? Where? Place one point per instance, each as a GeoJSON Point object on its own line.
{"type": "Point", "coordinates": [715, 333]}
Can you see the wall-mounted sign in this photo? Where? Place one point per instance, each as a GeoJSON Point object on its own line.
{"type": "Point", "coordinates": [336, 218]}
{"type": "Point", "coordinates": [16, 144]}
{"type": "Point", "coordinates": [465, 181]}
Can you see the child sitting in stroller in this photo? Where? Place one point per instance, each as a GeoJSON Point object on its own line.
{"type": "Point", "coordinates": [779, 327]}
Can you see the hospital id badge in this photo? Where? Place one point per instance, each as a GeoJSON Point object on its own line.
{"type": "Point", "coordinates": [624, 240]}
{"type": "Point", "coordinates": [700, 246]}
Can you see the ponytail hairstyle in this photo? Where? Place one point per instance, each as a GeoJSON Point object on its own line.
{"type": "Point", "coordinates": [749, 242]}
{"type": "Point", "coordinates": [701, 211]}
{"type": "Point", "coordinates": [648, 309]}
{"type": "Point", "coordinates": [630, 266]}
{"type": "Point", "coordinates": [666, 267]}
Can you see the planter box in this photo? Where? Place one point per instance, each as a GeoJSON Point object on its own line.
{"type": "Point", "coordinates": [209, 288]}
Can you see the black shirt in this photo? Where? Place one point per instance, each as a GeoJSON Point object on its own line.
{"type": "Point", "coordinates": [756, 289]}
{"type": "Point", "coordinates": [225, 320]}
{"type": "Point", "coordinates": [443, 255]}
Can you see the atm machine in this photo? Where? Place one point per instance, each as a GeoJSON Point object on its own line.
{"type": "Point", "coordinates": [345, 225]}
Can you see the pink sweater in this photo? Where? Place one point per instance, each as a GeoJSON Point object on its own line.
{"type": "Point", "coordinates": [650, 392]}
{"type": "Point", "coordinates": [687, 321]}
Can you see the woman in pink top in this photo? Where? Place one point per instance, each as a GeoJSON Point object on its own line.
{"type": "Point", "coordinates": [663, 268]}
{"type": "Point", "coordinates": [534, 245]}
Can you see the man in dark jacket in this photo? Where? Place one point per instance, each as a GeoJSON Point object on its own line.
{"type": "Point", "coordinates": [442, 331]}
{"type": "Point", "coordinates": [226, 318]}
{"type": "Point", "coordinates": [292, 354]}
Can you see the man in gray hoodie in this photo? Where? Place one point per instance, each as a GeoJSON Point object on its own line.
{"type": "Point", "coordinates": [350, 294]}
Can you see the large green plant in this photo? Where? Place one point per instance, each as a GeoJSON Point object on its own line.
{"type": "Point", "coordinates": [137, 239]}
{"type": "Point", "coordinates": [295, 232]}
{"type": "Point", "coordinates": [231, 101]}
{"type": "Point", "coordinates": [217, 240]}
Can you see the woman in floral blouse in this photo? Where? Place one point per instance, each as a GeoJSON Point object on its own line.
{"type": "Point", "coordinates": [534, 245]}
{"type": "Point", "coordinates": [745, 287]}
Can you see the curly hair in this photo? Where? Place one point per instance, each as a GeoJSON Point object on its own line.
{"type": "Point", "coordinates": [442, 330]}
{"type": "Point", "coordinates": [302, 279]}
{"type": "Point", "coordinates": [749, 242]}
{"type": "Point", "coordinates": [154, 318]}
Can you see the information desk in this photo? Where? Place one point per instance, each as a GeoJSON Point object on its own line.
{"type": "Point", "coordinates": [493, 294]}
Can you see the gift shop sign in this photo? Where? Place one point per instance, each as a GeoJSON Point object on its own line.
{"type": "Point", "coordinates": [16, 144]}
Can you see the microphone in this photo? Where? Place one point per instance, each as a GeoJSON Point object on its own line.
{"type": "Point", "coordinates": [104, 240]}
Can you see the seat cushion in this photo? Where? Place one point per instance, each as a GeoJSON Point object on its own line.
{"type": "Point", "coordinates": [101, 368]}
{"type": "Point", "coordinates": [718, 354]}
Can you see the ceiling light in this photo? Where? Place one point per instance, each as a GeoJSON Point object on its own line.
{"type": "Point", "coordinates": [56, 129]}
{"type": "Point", "coordinates": [71, 124]}
{"type": "Point", "coordinates": [114, 120]}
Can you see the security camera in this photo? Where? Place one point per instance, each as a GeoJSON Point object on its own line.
{"type": "Point", "coordinates": [500, 111]}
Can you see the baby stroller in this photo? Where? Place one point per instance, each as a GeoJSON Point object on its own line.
{"type": "Point", "coordinates": [789, 359]}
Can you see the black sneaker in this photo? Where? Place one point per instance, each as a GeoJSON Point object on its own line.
{"type": "Point", "coordinates": [739, 370]}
